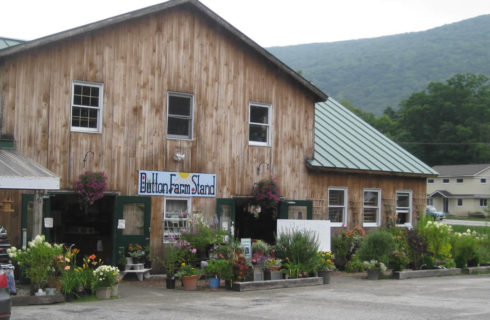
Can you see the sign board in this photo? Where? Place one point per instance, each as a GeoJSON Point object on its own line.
{"type": "Point", "coordinates": [121, 224]}
{"type": "Point", "coordinates": [48, 223]}
{"type": "Point", "coordinates": [176, 184]}
{"type": "Point", "coordinates": [246, 244]}
{"type": "Point", "coordinates": [320, 227]}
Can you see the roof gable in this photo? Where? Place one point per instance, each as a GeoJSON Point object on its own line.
{"type": "Point", "coordinates": [345, 142]}
{"type": "Point", "coordinates": [317, 93]}
{"type": "Point", "coordinates": [462, 170]}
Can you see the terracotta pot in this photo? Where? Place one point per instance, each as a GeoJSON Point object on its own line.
{"type": "Point", "coordinates": [190, 282]}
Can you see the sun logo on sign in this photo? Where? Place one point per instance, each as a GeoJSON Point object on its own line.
{"type": "Point", "coordinates": [184, 178]}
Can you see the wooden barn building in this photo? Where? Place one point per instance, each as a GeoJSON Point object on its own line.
{"type": "Point", "coordinates": [183, 112]}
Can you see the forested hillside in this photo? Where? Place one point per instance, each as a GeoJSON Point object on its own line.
{"type": "Point", "coordinates": [376, 73]}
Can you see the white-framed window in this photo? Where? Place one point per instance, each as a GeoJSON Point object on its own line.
{"type": "Point", "coordinates": [445, 180]}
{"type": "Point", "coordinates": [371, 208]}
{"type": "Point", "coordinates": [430, 201]}
{"type": "Point", "coordinates": [459, 180]}
{"type": "Point", "coordinates": [176, 213]}
{"type": "Point", "coordinates": [86, 106]}
{"type": "Point", "coordinates": [404, 207]}
{"type": "Point", "coordinates": [460, 203]}
{"type": "Point", "coordinates": [337, 206]}
{"type": "Point", "coordinates": [260, 120]}
{"type": "Point", "coordinates": [430, 180]}
{"type": "Point", "coordinates": [483, 180]}
{"type": "Point", "coordinates": [180, 111]}
{"type": "Point", "coordinates": [483, 202]}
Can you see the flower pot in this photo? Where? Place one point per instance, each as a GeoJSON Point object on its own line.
{"type": "Point", "coordinates": [170, 282]}
{"type": "Point", "coordinates": [213, 283]}
{"type": "Point", "coordinates": [272, 275]}
{"type": "Point", "coordinates": [373, 274]}
{"type": "Point", "coordinates": [50, 291]}
{"type": "Point", "coordinates": [190, 282]}
{"type": "Point", "coordinates": [129, 260]}
{"type": "Point", "coordinates": [115, 290]}
{"type": "Point", "coordinates": [325, 274]}
{"type": "Point", "coordinates": [103, 293]}
{"type": "Point", "coordinates": [258, 274]}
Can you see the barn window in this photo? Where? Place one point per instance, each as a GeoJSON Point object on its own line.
{"type": "Point", "coordinates": [86, 110]}
{"type": "Point", "coordinates": [371, 207]}
{"type": "Point", "coordinates": [403, 207]}
{"type": "Point", "coordinates": [260, 124]}
{"type": "Point", "coordinates": [337, 206]}
{"type": "Point", "coordinates": [175, 218]}
{"type": "Point", "coordinates": [179, 115]}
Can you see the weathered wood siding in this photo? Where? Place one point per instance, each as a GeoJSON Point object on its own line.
{"type": "Point", "coordinates": [138, 63]}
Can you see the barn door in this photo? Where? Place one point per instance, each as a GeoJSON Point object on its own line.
{"type": "Point", "coordinates": [131, 224]}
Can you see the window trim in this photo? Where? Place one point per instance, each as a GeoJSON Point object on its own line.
{"type": "Point", "coordinates": [100, 109]}
{"type": "Point", "coordinates": [269, 124]}
{"type": "Point", "coordinates": [189, 209]}
{"type": "Point", "coordinates": [410, 207]}
{"type": "Point", "coordinates": [345, 206]}
{"type": "Point", "coordinates": [183, 95]}
{"type": "Point", "coordinates": [378, 216]}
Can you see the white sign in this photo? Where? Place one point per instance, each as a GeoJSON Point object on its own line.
{"type": "Point", "coordinates": [176, 184]}
{"type": "Point", "coordinates": [320, 227]}
{"type": "Point", "coordinates": [48, 223]}
{"type": "Point", "coordinates": [246, 244]}
{"type": "Point", "coordinates": [121, 224]}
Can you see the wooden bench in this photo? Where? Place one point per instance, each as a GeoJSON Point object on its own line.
{"type": "Point", "coordinates": [138, 269]}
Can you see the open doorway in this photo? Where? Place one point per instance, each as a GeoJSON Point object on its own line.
{"type": "Point", "coordinates": [91, 231]}
{"type": "Point", "coordinates": [252, 224]}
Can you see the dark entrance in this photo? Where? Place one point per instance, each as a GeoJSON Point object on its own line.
{"type": "Point", "coordinates": [91, 231]}
{"type": "Point", "coordinates": [260, 226]}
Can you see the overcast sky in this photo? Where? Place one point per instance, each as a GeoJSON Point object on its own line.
{"type": "Point", "coordinates": [267, 22]}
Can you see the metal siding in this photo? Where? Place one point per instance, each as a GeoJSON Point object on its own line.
{"type": "Point", "coordinates": [345, 141]}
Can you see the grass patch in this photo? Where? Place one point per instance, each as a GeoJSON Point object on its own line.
{"type": "Point", "coordinates": [468, 218]}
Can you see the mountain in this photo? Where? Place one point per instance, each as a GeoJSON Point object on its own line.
{"type": "Point", "coordinates": [380, 72]}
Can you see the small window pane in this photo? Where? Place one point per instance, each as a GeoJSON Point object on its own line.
{"type": "Point", "coordinates": [178, 126]}
{"type": "Point", "coordinates": [402, 200]}
{"type": "Point", "coordinates": [78, 90]}
{"type": "Point", "coordinates": [134, 215]}
{"type": "Point", "coordinates": [370, 215]}
{"type": "Point", "coordinates": [86, 91]}
{"type": "Point", "coordinates": [259, 114]}
{"type": "Point", "coordinates": [258, 133]}
{"type": "Point", "coordinates": [336, 197]}
{"type": "Point", "coordinates": [371, 198]}
{"type": "Point", "coordinates": [335, 214]}
{"type": "Point", "coordinates": [179, 106]}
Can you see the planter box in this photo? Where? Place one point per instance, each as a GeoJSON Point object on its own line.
{"type": "Point", "coordinates": [476, 270]}
{"type": "Point", "coordinates": [272, 275]}
{"type": "Point", "coordinates": [411, 274]}
{"type": "Point", "coordinates": [277, 284]}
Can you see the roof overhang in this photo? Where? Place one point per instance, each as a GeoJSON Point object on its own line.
{"type": "Point", "coordinates": [317, 93]}
{"type": "Point", "coordinates": [321, 169]}
{"type": "Point", "coordinates": [19, 172]}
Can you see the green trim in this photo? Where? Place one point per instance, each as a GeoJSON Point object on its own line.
{"type": "Point", "coordinates": [8, 144]}
{"type": "Point", "coordinates": [284, 207]}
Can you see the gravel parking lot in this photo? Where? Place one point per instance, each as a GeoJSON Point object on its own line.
{"type": "Point", "coordinates": [347, 297]}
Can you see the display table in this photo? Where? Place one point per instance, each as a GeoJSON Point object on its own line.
{"type": "Point", "coordinates": [138, 269]}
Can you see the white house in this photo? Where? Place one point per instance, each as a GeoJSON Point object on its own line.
{"type": "Point", "coordinates": [460, 190]}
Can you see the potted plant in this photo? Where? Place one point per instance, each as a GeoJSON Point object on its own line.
{"type": "Point", "coordinates": [90, 186]}
{"type": "Point", "coordinates": [189, 276]}
{"type": "Point", "coordinates": [374, 269]}
{"type": "Point", "coordinates": [267, 193]}
{"type": "Point", "coordinates": [272, 269]}
{"type": "Point", "coordinates": [325, 265]}
{"type": "Point", "coordinates": [136, 252]}
{"type": "Point", "coordinates": [170, 263]}
{"type": "Point", "coordinates": [104, 278]}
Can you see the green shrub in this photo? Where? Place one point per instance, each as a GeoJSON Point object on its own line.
{"type": "Point", "coordinates": [438, 236]}
{"type": "Point", "coordinates": [346, 245]}
{"type": "Point", "coordinates": [465, 249]}
{"type": "Point", "coordinates": [298, 249]}
{"type": "Point", "coordinates": [378, 245]}
{"type": "Point", "coordinates": [354, 265]}
{"type": "Point", "coordinates": [417, 249]}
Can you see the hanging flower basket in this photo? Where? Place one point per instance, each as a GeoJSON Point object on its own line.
{"type": "Point", "coordinates": [267, 193]}
{"type": "Point", "coordinates": [91, 186]}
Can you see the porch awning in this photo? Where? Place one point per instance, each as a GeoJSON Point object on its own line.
{"type": "Point", "coordinates": [19, 172]}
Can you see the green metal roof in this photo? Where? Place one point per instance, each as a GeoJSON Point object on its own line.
{"type": "Point", "coordinates": [345, 142]}
{"type": "Point", "coordinates": [7, 43]}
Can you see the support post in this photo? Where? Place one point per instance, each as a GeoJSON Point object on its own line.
{"type": "Point", "coordinates": [37, 221]}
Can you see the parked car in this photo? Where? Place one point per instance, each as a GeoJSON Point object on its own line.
{"type": "Point", "coordinates": [5, 300]}
{"type": "Point", "coordinates": [432, 211]}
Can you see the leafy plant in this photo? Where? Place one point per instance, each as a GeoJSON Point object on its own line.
{"type": "Point", "coordinates": [105, 276]}
{"type": "Point", "coordinates": [438, 237]}
{"type": "Point", "coordinates": [187, 270]}
{"type": "Point", "coordinates": [200, 234]}
{"type": "Point", "coordinates": [91, 186]}
{"type": "Point", "coordinates": [38, 260]}
{"type": "Point", "coordinates": [465, 249]}
{"type": "Point", "coordinates": [417, 249]}
{"type": "Point", "coordinates": [220, 268]}
{"type": "Point", "coordinates": [298, 249]}
{"type": "Point", "coordinates": [346, 245]}
{"type": "Point", "coordinates": [374, 264]}
{"type": "Point", "coordinates": [378, 246]}
{"type": "Point", "coordinates": [354, 265]}
{"type": "Point", "coordinates": [325, 261]}
{"type": "Point", "coordinates": [267, 193]}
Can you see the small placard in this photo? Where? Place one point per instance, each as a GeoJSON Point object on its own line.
{"type": "Point", "coordinates": [121, 224]}
{"type": "Point", "coordinates": [247, 247]}
{"type": "Point", "coordinates": [48, 223]}
{"type": "Point", "coordinates": [224, 225]}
